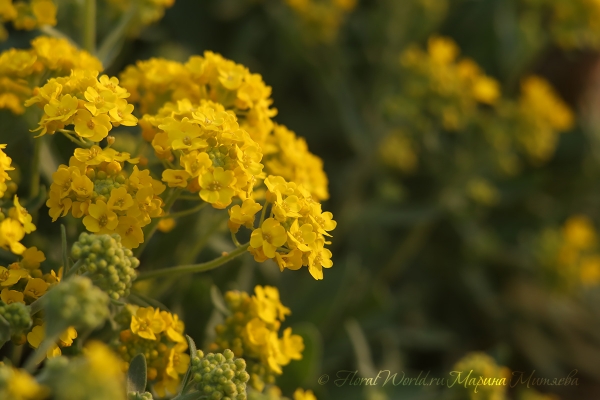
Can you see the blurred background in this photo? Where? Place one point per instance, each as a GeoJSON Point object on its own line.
{"type": "Point", "coordinates": [461, 139]}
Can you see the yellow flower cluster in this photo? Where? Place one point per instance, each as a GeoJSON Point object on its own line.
{"type": "Point", "coordinates": [442, 93]}
{"type": "Point", "coordinates": [571, 255]}
{"type": "Point", "coordinates": [146, 11]}
{"type": "Point", "coordinates": [287, 155]}
{"type": "Point", "coordinates": [210, 77]}
{"type": "Point", "coordinates": [93, 105]}
{"type": "Point", "coordinates": [542, 115]}
{"type": "Point", "coordinates": [294, 234]}
{"type": "Point", "coordinates": [572, 24]}
{"type": "Point", "coordinates": [95, 187]}
{"type": "Point", "coordinates": [161, 87]}
{"type": "Point", "coordinates": [21, 70]}
{"type": "Point", "coordinates": [159, 336]}
{"type": "Point", "coordinates": [5, 166]}
{"type": "Point", "coordinates": [38, 334]}
{"type": "Point", "coordinates": [322, 18]}
{"type": "Point", "coordinates": [251, 331]}
{"type": "Point", "coordinates": [447, 88]}
{"type": "Point", "coordinates": [481, 365]}
{"type": "Point", "coordinates": [216, 158]}
{"type": "Point", "coordinates": [16, 384]}
{"type": "Point", "coordinates": [26, 15]}
{"type": "Point", "coordinates": [13, 227]}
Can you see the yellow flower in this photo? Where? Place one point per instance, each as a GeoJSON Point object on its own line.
{"type": "Point", "coordinates": [121, 114]}
{"type": "Point", "coordinates": [94, 128]}
{"type": "Point", "coordinates": [178, 362]}
{"type": "Point", "coordinates": [300, 394]}
{"type": "Point", "coordinates": [291, 260]}
{"type": "Point", "coordinates": [32, 258]}
{"type": "Point", "coordinates": [267, 304]}
{"type": "Point", "coordinates": [486, 90]}
{"type": "Point", "coordinates": [35, 288]}
{"type": "Point", "coordinates": [301, 236]}
{"type": "Point", "coordinates": [9, 277]}
{"type": "Point", "coordinates": [82, 186]}
{"type": "Point", "coordinates": [269, 237]}
{"type": "Point", "coordinates": [216, 187]}
{"type": "Point", "coordinates": [120, 199]}
{"type": "Point", "coordinates": [11, 233]}
{"type": "Point", "coordinates": [319, 258]}
{"type": "Point", "coordinates": [130, 231]}
{"type": "Point", "coordinates": [99, 103]}
{"type": "Point", "coordinates": [101, 218]}
{"type": "Point", "coordinates": [579, 232]}
{"type": "Point", "coordinates": [11, 296]}
{"type": "Point", "coordinates": [166, 224]}
{"type": "Point", "coordinates": [243, 215]}
{"type": "Point", "coordinates": [322, 221]}
{"type": "Point", "coordinates": [175, 177]}
{"type": "Point", "coordinates": [35, 338]}
{"type": "Point", "coordinates": [19, 385]}
{"type": "Point", "coordinates": [291, 347]}
{"type": "Point", "coordinates": [442, 50]}
{"type": "Point", "coordinates": [61, 110]}
{"type": "Point", "coordinates": [173, 327]}
{"type": "Point", "coordinates": [147, 322]}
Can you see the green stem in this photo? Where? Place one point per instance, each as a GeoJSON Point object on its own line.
{"type": "Point", "coordinates": [185, 212]}
{"type": "Point", "coordinates": [151, 228]}
{"type": "Point", "coordinates": [89, 26]}
{"type": "Point", "coordinates": [73, 270]}
{"type": "Point", "coordinates": [75, 140]}
{"type": "Point", "coordinates": [115, 38]}
{"type": "Point", "coordinates": [34, 183]}
{"type": "Point", "coordinates": [193, 268]}
{"type": "Point", "coordinates": [65, 254]}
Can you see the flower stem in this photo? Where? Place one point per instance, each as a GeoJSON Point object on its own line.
{"type": "Point", "coordinates": [89, 26]}
{"type": "Point", "coordinates": [193, 268]}
{"type": "Point", "coordinates": [34, 183]}
{"type": "Point", "coordinates": [185, 212]}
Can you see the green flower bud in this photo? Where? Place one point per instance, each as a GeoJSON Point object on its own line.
{"type": "Point", "coordinates": [139, 396]}
{"type": "Point", "coordinates": [110, 265]}
{"type": "Point", "coordinates": [17, 315]}
{"type": "Point", "coordinates": [220, 376]}
{"type": "Point", "coordinates": [75, 302]}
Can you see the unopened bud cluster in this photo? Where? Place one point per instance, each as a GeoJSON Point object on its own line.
{"type": "Point", "coordinates": [220, 376]}
{"type": "Point", "coordinates": [110, 265]}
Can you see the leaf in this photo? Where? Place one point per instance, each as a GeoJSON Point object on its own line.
{"type": "Point", "coordinates": [218, 300]}
{"type": "Point", "coordinates": [137, 374]}
{"type": "Point", "coordinates": [185, 379]}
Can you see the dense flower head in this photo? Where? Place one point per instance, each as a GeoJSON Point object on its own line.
{"type": "Point", "coordinates": [570, 24]}
{"type": "Point", "coordinates": [21, 70]}
{"type": "Point", "coordinates": [159, 336]}
{"type": "Point", "coordinates": [296, 232]}
{"type": "Point", "coordinates": [154, 82]}
{"type": "Point", "coordinates": [220, 375]}
{"type": "Point", "coordinates": [95, 187]}
{"type": "Point", "coordinates": [322, 18]}
{"type": "Point", "coordinates": [92, 104]}
{"type": "Point", "coordinates": [447, 88]}
{"type": "Point", "coordinates": [542, 116]}
{"type": "Point", "coordinates": [481, 365]}
{"type": "Point", "coordinates": [94, 375]}
{"type": "Point", "coordinates": [75, 302]}
{"type": "Point", "coordinates": [251, 331]}
{"type": "Point", "coordinates": [570, 255]}
{"type": "Point", "coordinates": [108, 264]}
{"type": "Point", "coordinates": [16, 384]}
{"type": "Point", "coordinates": [215, 157]}
{"type": "Point", "coordinates": [17, 316]}
{"type": "Point", "coordinates": [288, 156]}
{"type": "Point", "coordinates": [26, 15]}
